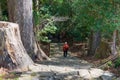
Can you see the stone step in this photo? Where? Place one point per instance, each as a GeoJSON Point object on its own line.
{"type": "Point", "coordinates": [56, 44]}
{"type": "Point", "coordinates": [82, 74]}
{"type": "Point", "coordinates": [56, 48]}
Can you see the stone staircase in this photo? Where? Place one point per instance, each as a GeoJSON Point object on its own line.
{"type": "Point", "coordinates": [56, 49]}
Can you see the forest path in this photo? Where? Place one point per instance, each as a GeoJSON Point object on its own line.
{"type": "Point", "coordinates": [61, 68]}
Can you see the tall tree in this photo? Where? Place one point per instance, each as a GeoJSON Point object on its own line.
{"type": "Point", "coordinates": [21, 13]}
{"type": "Point", "coordinates": [113, 47]}
{"type": "Point", "coordinates": [94, 42]}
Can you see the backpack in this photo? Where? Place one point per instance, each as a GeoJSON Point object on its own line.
{"type": "Point", "coordinates": [65, 47]}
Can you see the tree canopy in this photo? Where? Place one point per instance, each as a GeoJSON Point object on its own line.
{"type": "Point", "coordinates": [84, 16]}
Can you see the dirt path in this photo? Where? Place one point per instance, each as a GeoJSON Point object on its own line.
{"type": "Point", "coordinates": [60, 68]}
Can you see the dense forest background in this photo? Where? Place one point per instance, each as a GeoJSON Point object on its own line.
{"type": "Point", "coordinates": [78, 18]}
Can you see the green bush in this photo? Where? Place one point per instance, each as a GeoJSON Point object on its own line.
{"type": "Point", "coordinates": [49, 28]}
{"type": "Point", "coordinates": [109, 63]}
{"type": "Point", "coordinates": [97, 55]}
{"type": "Point", "coordinates": [117, 63]}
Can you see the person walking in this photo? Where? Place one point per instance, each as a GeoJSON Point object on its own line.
{"type": "Point", "coordinates": [65, 49]}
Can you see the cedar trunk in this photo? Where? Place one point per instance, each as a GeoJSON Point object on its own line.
{"type": "Point", "coordinates": [113, 47]}
{"type": "Point", "coordinates": [94, 42]}
{"type": "Point", "coordinates": [12, 52]}
{"type": "Point", "coordinates": [21, 13]}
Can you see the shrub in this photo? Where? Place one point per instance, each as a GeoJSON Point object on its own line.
{"type": "Point", "coordinates": [117, 63]}
{"type": "Point", "coordinates": [109, 63]}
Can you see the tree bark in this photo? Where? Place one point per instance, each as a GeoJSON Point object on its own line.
{"type": "Point", "coordinates": [21, 13]}
{"type": "Point", "coordinates": [12, 52]}
{"type": "Point", "coordinates": [113, 47]}
{"type": "Point", "coordinates": [94, 42]}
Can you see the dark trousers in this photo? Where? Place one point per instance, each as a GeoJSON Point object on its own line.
{"type": "Point", "coordinates": [65, 53]}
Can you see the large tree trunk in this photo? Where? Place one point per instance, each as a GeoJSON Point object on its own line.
{"type": "Point", "coordinates": [12, 52]}
{"type": "Point", "coordinates": [113, 47]}
{"type": "Point", "coordinates": [21, 13]}
{"type": "Point", "coordinates": [94, 42]}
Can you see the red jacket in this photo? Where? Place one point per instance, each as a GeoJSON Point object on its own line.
{"type": "Point", "coordinates": [65, 47]}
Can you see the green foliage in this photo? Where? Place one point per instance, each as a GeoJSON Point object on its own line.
{"type": "Point", "coordinates": [85, 16]}
{"type": "Point", "coordinates": [4, 18]}
{"type": "Point", "coordinates": [3, 10]}
{"type": "Point", "coordinates": [117, 63]}
{"type": "Point", "coordinates": [61, 8]}
{"type": "Point", "coordinates": [110, 63]}
{"type": "Point", "coordinates": [97, 55]}
{"type": "Point", "coordinates": [42, 14]}
{"type": "Point", "coordinates": [49, 28]}
{"type": "Point", "coordinates": [95, 14]}
{"type": "Point", "coordinates": [60, 1]}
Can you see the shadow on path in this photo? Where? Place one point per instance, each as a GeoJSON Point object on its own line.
{"type": "Point", "coordinates": [69, 61]}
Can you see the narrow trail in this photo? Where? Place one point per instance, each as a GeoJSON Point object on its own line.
{"type": "Point", "coordinates": [61, 68]}
{"type": "Point", "coordinates": [70, 61]}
